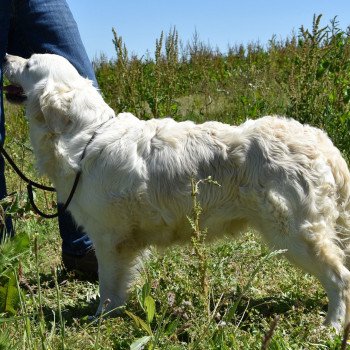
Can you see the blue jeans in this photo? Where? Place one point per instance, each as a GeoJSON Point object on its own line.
{"type": "Point", "coordinates": [43, 26]}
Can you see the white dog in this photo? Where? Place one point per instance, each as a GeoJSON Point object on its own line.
{"type": "Point", "coordinates": [284, 179]}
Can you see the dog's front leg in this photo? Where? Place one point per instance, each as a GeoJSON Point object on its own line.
{"type": "Point", "coordinates": [115, 268]}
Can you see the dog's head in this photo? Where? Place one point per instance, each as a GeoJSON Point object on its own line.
{"type": "Point", "coordinates": [46, 83]}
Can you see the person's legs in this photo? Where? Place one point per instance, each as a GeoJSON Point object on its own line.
{"type": "Point", "coordinates": [47, 26]}
{"type": "Point", "coordinates": [5, 17]}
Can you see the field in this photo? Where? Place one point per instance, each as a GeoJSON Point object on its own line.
{"type": "Point", "coordinates": [231, 295]}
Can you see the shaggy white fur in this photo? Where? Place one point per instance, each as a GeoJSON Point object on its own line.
{"type": "Point", "coordinates": [284, 179]}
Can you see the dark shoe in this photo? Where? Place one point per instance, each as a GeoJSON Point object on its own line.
{"type": "Point", "coordinates": [85, 267]}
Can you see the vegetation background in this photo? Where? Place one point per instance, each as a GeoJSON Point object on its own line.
{"type": "Point", "coordinates": [232, 295]}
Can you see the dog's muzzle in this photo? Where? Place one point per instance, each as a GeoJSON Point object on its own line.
{"type": "Point", "coordinates": [14, 93]}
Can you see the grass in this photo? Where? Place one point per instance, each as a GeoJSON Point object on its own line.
{"type": "Point", "coordinates": [229, 295]}
{"type": "Point", "coordinates": [53, 309]}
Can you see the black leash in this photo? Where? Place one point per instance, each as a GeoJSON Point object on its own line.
{"type": "Point", "coordinates": [31, 184]}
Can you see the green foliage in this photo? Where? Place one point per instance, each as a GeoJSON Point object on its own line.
{"type": "Point", "coordinates": [306, 77]}
{"type": "Point", "coordinates": [5, 341]}
{"type": "Point", "coordinates": [11, 253]}
{"type": "Point", "coordinates": [161, 328]}
{"type": "Point", "coordinates": [320, 81]}
{"type": "Point", "coordinates": [9, 298]}
{"type": "Point", "coordinates": [12, 250]}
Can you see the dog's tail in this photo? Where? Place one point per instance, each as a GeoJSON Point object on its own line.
{"type": "Point", "coordinates": [341, 175]}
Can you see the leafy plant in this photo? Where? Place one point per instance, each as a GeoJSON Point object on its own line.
{"type": "Point", "coordinates": [9, 299]}
{"type": "Point", "coordinates": [147, 303]}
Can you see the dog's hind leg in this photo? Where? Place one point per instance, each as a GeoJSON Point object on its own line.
{"type": "Point", "coordinates": [313, 249]}
{"type": "Point", "coordinates": [330, 268]}
{"type": "Point", "coordinates": [312, 244]}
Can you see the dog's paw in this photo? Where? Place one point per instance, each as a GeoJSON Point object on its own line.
{"type": "Point", "coordinates": [110, 312]}
{"type": "Point", "coordinates": [116, 312]}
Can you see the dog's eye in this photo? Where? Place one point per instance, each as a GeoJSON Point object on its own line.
{"type": "Point", "coordinates": [27, 65]}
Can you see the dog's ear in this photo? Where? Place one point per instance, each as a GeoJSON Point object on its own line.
{"type": "Point", "coordinates": [55, 104]}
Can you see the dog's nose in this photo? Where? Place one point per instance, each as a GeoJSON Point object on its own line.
{"type": "Point", "coordinates": [8, 58]}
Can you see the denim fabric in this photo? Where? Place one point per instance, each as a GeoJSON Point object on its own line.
{"type": "Point", "coordinates": [44, 26]}
{"type": "Point", "coordinates": [5, 15]}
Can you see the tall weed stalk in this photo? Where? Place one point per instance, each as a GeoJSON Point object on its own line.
{"type": "Point", "coordinates": [305, 76]}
